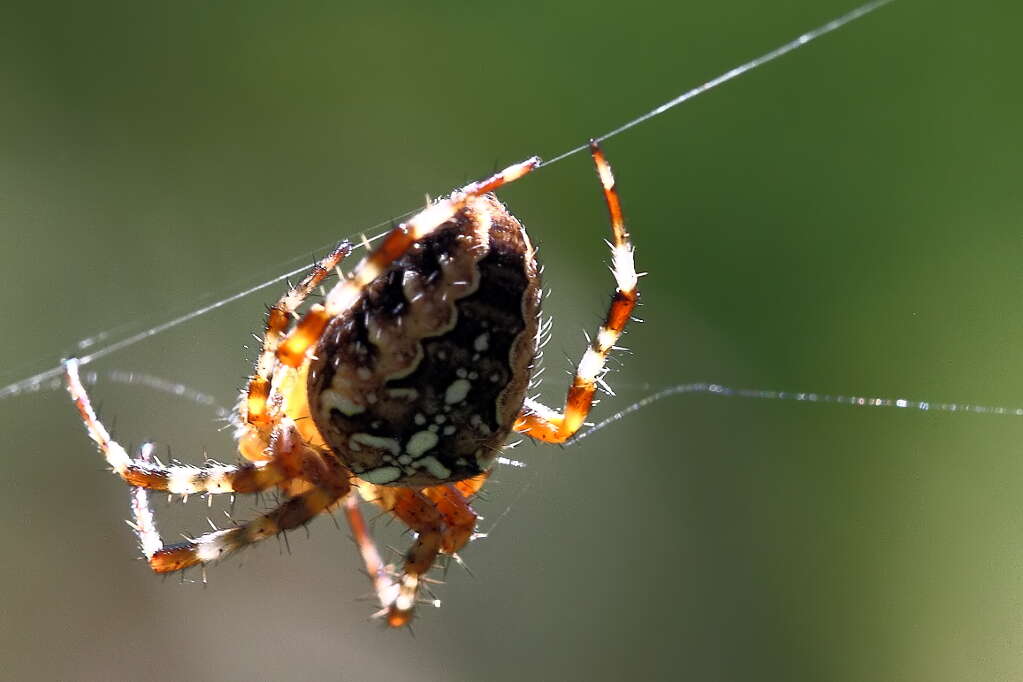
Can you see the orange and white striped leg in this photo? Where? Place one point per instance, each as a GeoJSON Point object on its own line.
{"type": "Point", "coordinates": [277, 319]}
{"type": "Point", "coordinates": [331, 483]}
{"type": "Point", "coordinates": [287, 462]}
{"type": "Point", "coordinates": [386, 589]}
{"type": "Point", "coordinates": [294, 512]}
{"type": "Point", "coordinates": [421, 515]}
{"type": "Point", "coordinates": [454, 520]}
{"type": "Point", "coordinates": [544, 423]}
{"type": "Point", "coordinates": [397, 242]}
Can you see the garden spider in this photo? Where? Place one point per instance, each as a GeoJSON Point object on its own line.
{"type": "Point", "coordinates": [403, 384]}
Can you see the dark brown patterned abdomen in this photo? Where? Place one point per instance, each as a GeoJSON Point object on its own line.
{"type": "Point", "coordinates": [420, 382]}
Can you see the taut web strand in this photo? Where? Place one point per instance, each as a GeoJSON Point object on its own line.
{"type": "Point", "coordinates": [851, 400]}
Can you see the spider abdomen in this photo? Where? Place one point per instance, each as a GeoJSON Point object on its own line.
{"type": "Point", "coordinates": [420, 381]}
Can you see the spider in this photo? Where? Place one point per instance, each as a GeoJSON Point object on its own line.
{"type": "Point", "coordinates": [402, 385]}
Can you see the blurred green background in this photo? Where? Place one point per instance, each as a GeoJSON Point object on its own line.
{"type": "Point", "coordinates": [844, 220]}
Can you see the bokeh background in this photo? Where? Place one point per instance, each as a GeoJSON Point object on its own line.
{"type": "Point", "coordinates": [844, 220]}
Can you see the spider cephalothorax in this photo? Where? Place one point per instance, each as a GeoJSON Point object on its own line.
{"type": "Point", "coordinates": [403, 384]}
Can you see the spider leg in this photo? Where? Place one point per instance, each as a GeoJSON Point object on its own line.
{"type": "Point", "coordinates": [291, 459]}
{"type": "Point", "coordinates": [459, 518]}
{"type": "Point", "coordinates": [458, 524]}
{"type": "Point", "coordinates": [421, 515]}
{"type": "Point", "coordinates": [142, 520]}
{"type": "Point", "coordinates": [544, 423]}
{"type": "Point", "coordinates": [292, 350]}
{"type": "Point", "coordinates": [470, 486]}
{"type": "Point", "coordinates": [249, 477]}
{"type": "Point", "coordinates": [330, 483]}
{"type": "Point", "coordinates": [427, 521]}
{"type": "Point", "coordinates": [294, 512]}
{"type": "Point", "coordinates": [277, 319]}
{"type": "Point", "coordinates": [385, 588]}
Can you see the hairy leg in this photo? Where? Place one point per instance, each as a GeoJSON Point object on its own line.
{"type": "Point", "coordinates": [544, 423]}
{"type": "Point", "coordinates": [386, 589]}
{"type": "Point", "coordinates": [182, 479]}
{"type": "Point", "coordinates": [277, 319]}
{"type": "Point", "coordinates": [329, 480]}
{"type": "Point", "coordinates": [293, 513]}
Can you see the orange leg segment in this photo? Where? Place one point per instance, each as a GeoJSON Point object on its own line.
{"type": "Point", "coordinates": [459, 518]}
